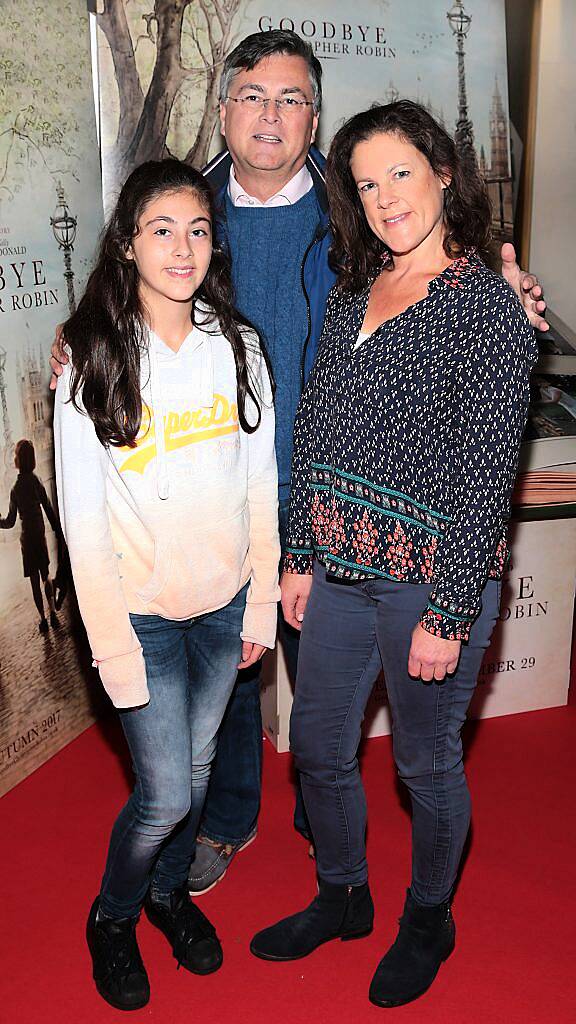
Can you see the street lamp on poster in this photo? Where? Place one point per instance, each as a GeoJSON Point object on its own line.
{"type": "Point", "coordinates": [459, 21]}
{"type": "Point", "coordinates": [64, 227]}
{"type": "Point", "coordinates": [8, 445]}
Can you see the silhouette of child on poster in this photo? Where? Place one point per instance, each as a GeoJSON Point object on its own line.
{"type": "Point", "coordinates": [27, 500]}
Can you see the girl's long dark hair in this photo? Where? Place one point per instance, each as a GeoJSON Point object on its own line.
{"type": "Point", "coordinates": [106, 333]}
{"type": "Point", "coordinates": [356, 252]}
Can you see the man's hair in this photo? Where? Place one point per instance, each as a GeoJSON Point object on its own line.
{"type": "Point", "coordinates": [260, 45]}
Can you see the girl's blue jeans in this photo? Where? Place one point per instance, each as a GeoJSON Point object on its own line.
{"type": "Point", "coordinates": [191, 667]}
{"type": "Point", "coordinates": [350, 632]}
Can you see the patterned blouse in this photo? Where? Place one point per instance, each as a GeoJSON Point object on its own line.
{"type": "Point", "coordinates": [406, 447]}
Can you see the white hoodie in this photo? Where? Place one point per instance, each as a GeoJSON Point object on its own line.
{"type": "Point", "coordinates": [176, 526]}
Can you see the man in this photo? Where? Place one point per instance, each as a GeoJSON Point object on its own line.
{"type": "Point", "coordinates": [273, 221]}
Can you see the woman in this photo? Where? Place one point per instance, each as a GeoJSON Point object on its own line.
{"type": "Point", "coordinates": [167, 489]}
{"type": "Point", "coordinates": [406, 445]}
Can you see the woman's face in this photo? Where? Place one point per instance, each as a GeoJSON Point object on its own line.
{"type": "Point", "coordinates": [172, 248]}
{"type": "Point", "coordinates": [401, 195]}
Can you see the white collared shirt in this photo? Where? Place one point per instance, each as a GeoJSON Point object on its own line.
{"type": "Point", "coordinates": [293, 190]}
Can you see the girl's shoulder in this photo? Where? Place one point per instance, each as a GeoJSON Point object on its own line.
{"type": "Point", "coordinates": [207, 320]}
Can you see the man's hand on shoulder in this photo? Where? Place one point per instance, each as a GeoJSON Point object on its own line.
{"type": "Point", "coordinates": [526, 286]}
{"type": "Point", "coordinates": [58, 357]}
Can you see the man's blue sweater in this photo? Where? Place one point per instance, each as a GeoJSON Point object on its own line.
{"type": "Point", "coordinates": [267, 246]}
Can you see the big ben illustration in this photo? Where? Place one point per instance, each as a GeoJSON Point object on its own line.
{"type": "Point", "coordinates": [498, 136]}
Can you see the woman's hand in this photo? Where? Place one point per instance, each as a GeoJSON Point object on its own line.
{"type": "Point", "coordinates": [58, 357]}
{"type": "Point", "coordinates": [251, 653]}
{"type": "Point", "coordinates": [295, 592]}
{"type": "Point", "coordinates": [432, 657]}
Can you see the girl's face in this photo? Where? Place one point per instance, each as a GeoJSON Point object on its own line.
{"type": "Point", "coordinates": [172, 249]}
{"type": "Point", "coordinates": [401, 195]}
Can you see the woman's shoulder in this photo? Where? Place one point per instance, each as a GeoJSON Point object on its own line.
{"type": "Point", "coordinates": [483, 298]}
{"type": "Point", "coordinates": [490, 316]}
{"type": "Point", "coordinates": [341, 302]}
{"type": "Point", "coordinates": [475, 279]}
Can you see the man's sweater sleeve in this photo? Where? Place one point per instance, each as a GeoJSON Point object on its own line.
{"type": "Point", "coordinates": [261, 614]}
{"type": "Point", "coordinates": [493, 388]}
{"type": "Point", "coordinates": [81, 471]}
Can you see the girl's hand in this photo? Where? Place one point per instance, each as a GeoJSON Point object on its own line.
{"type": "Point", "coordinates": [432, 657]}
{"type": "Point", "coordinates": [251, 653]}
{"type": "Point", "coordinates": [295, 593]}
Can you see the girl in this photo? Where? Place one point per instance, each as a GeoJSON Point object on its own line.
{"type": "Point", "coordinates": [27, 499]}
{"type": "Point", "coordinates": [168, 498]}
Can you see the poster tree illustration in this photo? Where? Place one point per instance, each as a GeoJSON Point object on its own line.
{"type": "Point", "coordinates": [160, 64]}
{"type": "Point", "coordinates": [160, 68]}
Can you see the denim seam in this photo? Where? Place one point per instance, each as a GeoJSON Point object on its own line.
{"type": "Point", "coordinates": [353, 697]}
{"type": "Point", "coordinates": [441, 843]}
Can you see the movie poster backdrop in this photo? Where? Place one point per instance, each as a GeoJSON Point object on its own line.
{"type": "Point", "coordinates": [50, 219]}
{"type": "Point", "coordinates": [159, 68]}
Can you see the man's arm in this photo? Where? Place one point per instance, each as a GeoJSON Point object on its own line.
{"type": "Point", "coordinates": [526, 286]}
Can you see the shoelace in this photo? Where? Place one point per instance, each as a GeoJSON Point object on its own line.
{"type": "Point", "coordinates": [191, 926]}
{"type": "Point", "coordinates": [125, 955]}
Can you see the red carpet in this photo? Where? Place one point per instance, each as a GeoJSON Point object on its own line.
{"type": "Point", "coordinates": [514, 960]}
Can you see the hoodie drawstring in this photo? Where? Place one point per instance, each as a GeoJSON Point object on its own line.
{"type": "Point", "coordinates": [162, 482]}
{"type": "Point", "coordinates": [206, 395]}
{"type": "Point", "coordinates": [203, 393]}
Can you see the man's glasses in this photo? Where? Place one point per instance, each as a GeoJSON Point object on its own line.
{"type": "Point", "coordinates": [285, 105]}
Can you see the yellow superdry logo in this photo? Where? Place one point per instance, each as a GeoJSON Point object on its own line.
{"type": "Point", "coordinates": [180, 430]}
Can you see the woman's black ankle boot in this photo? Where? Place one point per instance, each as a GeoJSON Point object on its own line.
{"type": "Point", "coordinates": [426, 938]}
{"type": "Point", "coordinates": [338, 912]}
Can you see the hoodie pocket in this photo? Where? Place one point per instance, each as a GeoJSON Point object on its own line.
{"type": "Point", "coordinates": [206, 572]}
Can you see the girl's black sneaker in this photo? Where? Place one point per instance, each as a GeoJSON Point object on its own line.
{"type": "Point", "coordinates": [193, 938]}
{"type": "Point", "coordinates": [117, 967]}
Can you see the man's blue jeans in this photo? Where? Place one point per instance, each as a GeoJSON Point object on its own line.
{"type": "Point", "coordinates": [350, 632]}
{"type": "Point", "coordinates": [233, 800]}
{"type": "Point", "coordinates": [191, 668]}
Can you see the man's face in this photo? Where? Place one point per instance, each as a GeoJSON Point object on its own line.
{"type": "Point", "coordinates": [267, 140]}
